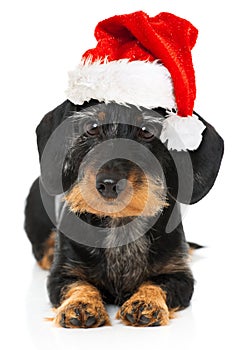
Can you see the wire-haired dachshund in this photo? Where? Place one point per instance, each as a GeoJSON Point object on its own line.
{"type": "Point", "coordinates": [104, 216]}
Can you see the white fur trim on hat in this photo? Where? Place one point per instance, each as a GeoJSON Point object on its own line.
{"type": "Point", "coordinates": [182, 133]}
{"type": "Point", "coordinates": [141, 83]}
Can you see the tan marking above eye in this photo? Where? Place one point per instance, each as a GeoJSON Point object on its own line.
{"type": "Point", "coordinates": [101, 116]}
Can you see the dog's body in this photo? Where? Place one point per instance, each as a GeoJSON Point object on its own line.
{"type": "Point", "coordinates": [144, 268]}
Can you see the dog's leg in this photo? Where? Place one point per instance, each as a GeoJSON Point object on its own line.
{"type": "Point", "coordinates": [81, 307]}
{"type": "Point", "coordinates": [147, 307]}
{"type": "Point", "coordinates": [39, 228]}
{"type": "Point", "coordinates": [154, 302]}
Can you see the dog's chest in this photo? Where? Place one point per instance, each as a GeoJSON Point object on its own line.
{"type": "Point", "coordinates": [126, 266]}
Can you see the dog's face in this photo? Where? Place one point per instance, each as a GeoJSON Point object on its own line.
{"type": "Point", "coordinates": [100, 179]}
{"type": "Point", "coordinates": [115, 164]}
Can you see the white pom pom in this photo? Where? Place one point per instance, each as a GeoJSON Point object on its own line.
{"type": "Point", "coordinates": [182, 133]}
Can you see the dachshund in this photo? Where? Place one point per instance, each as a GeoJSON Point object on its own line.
{"type": "Point", "coordinates": [104, 216]}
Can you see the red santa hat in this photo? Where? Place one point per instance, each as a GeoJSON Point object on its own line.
{"type": "Point", "coordinates": [144, 61]}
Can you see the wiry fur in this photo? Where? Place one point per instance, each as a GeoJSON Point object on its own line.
{"type": "Point", "coordinates": [128, 261]}
{"type": "Point", "coordinates": [144, 268]}
{"type": "Point", "coordinates": [84, 197]}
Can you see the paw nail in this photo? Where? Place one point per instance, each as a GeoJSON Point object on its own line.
{"type": "Point", "coordinates": [90, 321]}
{"type": "Point", "coordinates": [77, 312]}
{"type": "Point", "coordinates": [130, 318]}
{"type": "Point", "coordinates": [144, 320]}
{"type": "Point", "coordinates": [75, 322]}
{"type": "Point", "coordinates": [62, 322]}
{"type": "Point", "coordinates": [88, 314]}
{"type": "Point", "coordinates": [155, 324]}
{"type": "Point", "coordinates": [155, 314]}
{"type": "Point", "coordinates": [122, 313]}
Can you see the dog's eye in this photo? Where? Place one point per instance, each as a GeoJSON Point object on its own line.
{"type": "Point", "coordinates": [146, 134]}
{"type": "Point", "coordinates": [92, 129]}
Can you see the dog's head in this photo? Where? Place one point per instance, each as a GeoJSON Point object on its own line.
{"type": "Point", "coordinates": [110, 161]}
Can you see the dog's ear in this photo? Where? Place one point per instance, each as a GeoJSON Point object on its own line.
{"type": "Point", "coordinates": [51, 142]}
{"type": "Point", "coordinates": [54, 137]}
{"type": "Point", "coordinates": [198, 169]}
{"type": "Point", "coordinates": [50, 122]}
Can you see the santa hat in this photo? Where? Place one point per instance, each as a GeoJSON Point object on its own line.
{"type": "Point", "coordinates": [144, 61]}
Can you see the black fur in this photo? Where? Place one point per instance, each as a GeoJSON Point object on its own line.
{"type": "Point", "coordinates": [158, 256]}
{"type": "Point", "coordinates": [38, 225]}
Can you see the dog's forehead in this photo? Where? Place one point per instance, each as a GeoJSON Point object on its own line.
{"type": "Point", "coordinates": [121, 114]}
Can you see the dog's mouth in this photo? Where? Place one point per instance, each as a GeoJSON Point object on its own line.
{"type": "Point", "coordinates": [117, 197]}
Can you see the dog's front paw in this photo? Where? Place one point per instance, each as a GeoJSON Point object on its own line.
{"type": "Point", "coordinates": [83, 308]}
{"type": "Point", "coordinates": [81, 315]}
{"type": "Point", "coordinates": [147, 307]}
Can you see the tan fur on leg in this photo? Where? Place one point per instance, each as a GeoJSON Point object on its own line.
{"type": "Point", "coordinates": [46, 262]}
{"type": "Point", "coordinates": [147, 307]}
{"type": "Point", "coordinates": [82, 307]}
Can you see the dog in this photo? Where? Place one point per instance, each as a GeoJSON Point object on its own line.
{"type": "Point", "coordinates": [136, 255]}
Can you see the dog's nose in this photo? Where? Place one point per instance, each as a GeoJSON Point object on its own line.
{"type": "Point", "coordinates": [109, 187]}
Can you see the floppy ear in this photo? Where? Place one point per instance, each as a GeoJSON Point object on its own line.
{"type": "Point", "coordinates": [50, 122]}
{"type": "Point", "coordinates": [204, 164]}
{"type": "Point", "coordinates": [54, 134]}
{"type": "Point", "coordinates": [52, 146]}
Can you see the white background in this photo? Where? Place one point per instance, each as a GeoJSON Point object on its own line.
{"type": "Point", "coordinates": [40, 42]}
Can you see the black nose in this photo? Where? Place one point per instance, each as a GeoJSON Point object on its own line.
{"type": "Point", "coordinates": [109, 186]}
